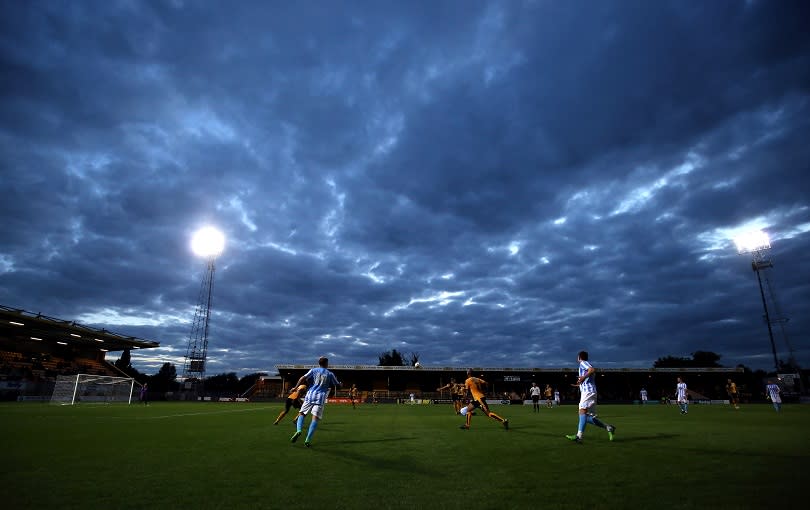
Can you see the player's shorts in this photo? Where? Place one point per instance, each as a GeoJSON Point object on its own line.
{"type": "Point", "coordinates": [312, 407]}
{"type": "Point", "coordinates": [535, 398]}
{"type": "Point", "coordinates": [455, 397]}
{"type": "Point", "coordinates": [587, 400]}
{"type": "Point", "coordinates": [288, 404]}
{"type": "Point", "coordinates": [482, 403]}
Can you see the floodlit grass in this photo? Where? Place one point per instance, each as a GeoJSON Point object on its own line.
{"type": "Point", "coordinates": [212, 455]}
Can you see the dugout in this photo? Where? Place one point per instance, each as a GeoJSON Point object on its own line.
{"type": "Point", "coordinates": [614, 384]}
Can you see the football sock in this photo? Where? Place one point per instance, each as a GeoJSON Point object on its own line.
{"type": "Point", "coordinates": [299, 423]}
{"type": "Point", "coordinates": [582, 421]}
{"type": "Point", "coordinates": [495, 417]}
{"type": "Point", "coordinates": [312, 426]}
{"type": "Point", "coordinates": [596, 421]}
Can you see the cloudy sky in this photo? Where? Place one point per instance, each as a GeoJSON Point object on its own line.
{"type": "Point", "coordinates": [482, 183]}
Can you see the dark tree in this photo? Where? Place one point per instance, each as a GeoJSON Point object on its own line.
{"type": "Point", "coordinates": [699, 359]}
{"type": "Point", "coordinates": [124, 364]}
{"type": "Point", "coordinates": [249, 380]}
{"type": "Point", "coordinates": [413, 358]}
{"type": "Point", "coordinates": [392, 358]}
{"type": "Point", "coordinates": [125, 361]}
{"type": "Point", "coordinates": [672, 362]}
{"type": "Point", "coordinates": [164, 380]}
{"type": "Point", "coordinates": [222, 384]}
{"type": "Point", "coordinates": [705, 359]}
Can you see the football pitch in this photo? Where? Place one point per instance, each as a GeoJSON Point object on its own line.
{"type": "Point", "coordinates": [230, 456]}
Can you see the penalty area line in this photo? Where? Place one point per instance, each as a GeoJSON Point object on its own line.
{"type": "Point", "coordinates": [181, 415]}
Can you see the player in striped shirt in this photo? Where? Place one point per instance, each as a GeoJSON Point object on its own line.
{"type": "Point", "coordinates": [643, 396]}
{"type": "Point", "coordinates": [681, 396]}
{"type": "Point", "coordinates": [321, 381]}
{"type": "Point", "coordinates": [775, 394]}
{"type": "Point", "coordinates": [587, 399]}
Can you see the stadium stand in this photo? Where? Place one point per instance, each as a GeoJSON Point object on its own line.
{"type": "Point", "coordinates": [35, 349]}
{"type": "Point", "coordinates": [266, 388]}
{"type": "Point", "coordinates": [614, 384]}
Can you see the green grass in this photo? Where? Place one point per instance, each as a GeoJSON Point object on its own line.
{"type": "Point", "coordinates": [212, 455]}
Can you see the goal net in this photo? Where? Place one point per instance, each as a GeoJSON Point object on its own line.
{"type": "Point", "coordinates": [71, 389]}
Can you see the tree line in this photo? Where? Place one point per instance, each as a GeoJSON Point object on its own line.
{"type": "Point", "coordinates": [165, 380]}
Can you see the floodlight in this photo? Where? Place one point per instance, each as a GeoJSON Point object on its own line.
{"type": "Point", "coordinates": [752, 241]}
{"type": "Point", "coordinates": [756, 243]}
{"type": "Point", "coordinates": [208, 242]}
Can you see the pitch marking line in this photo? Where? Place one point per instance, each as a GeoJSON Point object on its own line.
{"type": "Point", "coordinates": [192, 414]}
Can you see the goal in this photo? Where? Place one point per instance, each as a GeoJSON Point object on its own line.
{"type": "Point", "coordinates": [71, 389]}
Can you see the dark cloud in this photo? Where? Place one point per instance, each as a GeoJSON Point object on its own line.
{"type": "Point", "coordinates": [496, 184]}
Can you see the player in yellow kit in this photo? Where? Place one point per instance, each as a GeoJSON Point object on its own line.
{"type": "Point", "coordinates": [454, 396]}
{"type": "Point", "coordinates": [548, 393]}
{"type": "Point", "coordinates": [733, 396]}
{"type": "Point", "coordinates": [293, 400]}
{"type": "Point", "coordinates": [476, 386]}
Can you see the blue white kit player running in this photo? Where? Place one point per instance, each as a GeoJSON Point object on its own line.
{"type": "Point", "coordinates": [587, 400]}
{"type": "Point", "coordinates": [320, 382]}
{"type": "Point", "coordinates": [774, 395]}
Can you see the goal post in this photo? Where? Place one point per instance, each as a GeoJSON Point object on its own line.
{"type": "Point", "coordinates": [72, 389]}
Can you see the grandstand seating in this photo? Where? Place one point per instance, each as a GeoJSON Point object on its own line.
{"type": "Point", "coordinates": [18, 365]}
{"type": "Point", "coordinates": [265, 389]}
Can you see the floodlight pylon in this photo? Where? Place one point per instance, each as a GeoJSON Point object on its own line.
{"type": "Point", "coordinates": [758, 245]}
{"type": "Point", "coordinates": [197, 352]}
{"type": "Point", "coordinates": [208, 242]}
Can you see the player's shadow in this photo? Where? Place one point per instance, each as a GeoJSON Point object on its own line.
{"type": "Point", "coordinates": [654, 437]}
{"type": "Point", "coordinates": [385, 440]}
{"type": "Point", "coordinates": [407, 464]}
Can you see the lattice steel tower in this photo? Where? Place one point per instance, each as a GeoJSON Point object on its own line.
{"type": "Point", "coordinates": [758, 245]}
{"type": "Point", "coordinates": [207, 243]}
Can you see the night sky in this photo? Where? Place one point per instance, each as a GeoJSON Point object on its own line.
{"type": "Point", "coordinates": [494, 184]}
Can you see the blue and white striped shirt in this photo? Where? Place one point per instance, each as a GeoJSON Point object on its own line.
{"type": "Point", "coordinates": [680, 390]}
{"type": "Point", "coordinates": [589, 383]}
{"type": "Point", "coordinates": [320, 382]}
{"type": "Point", "coordinates": [773, 392]}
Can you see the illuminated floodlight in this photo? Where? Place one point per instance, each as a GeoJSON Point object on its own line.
{"type": "Point", "coordinates": [208, 242]}
{"type": "Point", "coordinates": [752, 241]}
